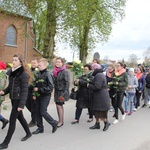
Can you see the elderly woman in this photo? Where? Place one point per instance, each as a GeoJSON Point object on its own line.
{"type": "Point", "coordinates": [84, 98]}
{"type": "Point", "coordinates": [101, 99]}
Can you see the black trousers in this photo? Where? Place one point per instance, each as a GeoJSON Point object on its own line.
{"type": "Point", "coordinates": [42, 103]}
{"type": "Point", "coordinates": [137, 99]}
{"type": "Point", "coordinates": [79, 111]}
{"type": "Point", "coordinates": [117, 103]}
{"type": "Point", "coordinates": [31, 106]}
{"type": "Point", "coordinates": [15, 114]}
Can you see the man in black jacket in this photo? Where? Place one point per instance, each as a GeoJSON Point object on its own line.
{"type": "Point", "coordinates": [31, 103]}
{"type": "Point", "coordinates": [43, 90]}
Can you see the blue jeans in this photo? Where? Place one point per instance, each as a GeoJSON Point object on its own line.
{"type": "Point", "coordinates": [1, 117]}
{"type": "Point", "coordinates": [129, 98]}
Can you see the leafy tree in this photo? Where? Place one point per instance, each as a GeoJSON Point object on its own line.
{"type": "Point", "coordinates": [81, 23]}
{"type": "Point", "coordinates": [86, 22]}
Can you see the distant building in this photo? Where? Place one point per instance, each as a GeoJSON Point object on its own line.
{"type": "Point", "coordinates": [16, 36]}
{"type": "Point", "coordinates": [110, 62]}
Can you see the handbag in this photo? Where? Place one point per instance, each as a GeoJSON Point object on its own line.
{"type": "Point", "coordinates": [74, 93]}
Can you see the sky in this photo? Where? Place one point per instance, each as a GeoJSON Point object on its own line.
{"type": "Point", "coordinates": [130, 36]}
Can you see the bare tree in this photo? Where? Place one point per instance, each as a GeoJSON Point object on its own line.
{"type": "Point", "coordinates": [133, 60]}
{"type": "Point", "coordinates": [147, 57]}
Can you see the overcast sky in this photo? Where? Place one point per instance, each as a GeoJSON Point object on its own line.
{"type": "Point", "coordinates": [130, 36]}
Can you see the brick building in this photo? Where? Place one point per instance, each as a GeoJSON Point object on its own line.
{"type": "Point", "coordinates": [16, 36]}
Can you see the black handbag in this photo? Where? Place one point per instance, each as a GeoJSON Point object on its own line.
{"type": "Point", "coordinates": [73, 94]}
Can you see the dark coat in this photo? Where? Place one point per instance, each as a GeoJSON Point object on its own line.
{"type": "Point", "coordinates": [141, 83]}
{"type": "Point", "coordinates": [101, 99]}
{"type": "Point", "coordinates": [61, 85]}
{"type": "Point", "coordinates": [18, 86]}
{"type": "Point", "coordinates": [44, 82]}
{"type": "Point", "coordinates": [122, 81]}
{"type": "Point", "coordinates": [85, 95]}
{"type": "Point", "coordinates": [148, 81]}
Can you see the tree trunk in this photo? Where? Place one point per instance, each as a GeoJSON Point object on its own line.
{"type": "Point", "coordinates": [49, 41]}
{"type": "Point", "coordinates": [84, 45]}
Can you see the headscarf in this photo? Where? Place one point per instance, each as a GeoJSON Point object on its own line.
{"type": "Point", "coordinates": [95, 66]}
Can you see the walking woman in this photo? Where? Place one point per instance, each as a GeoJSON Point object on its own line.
{"type": "Point", "coordinates": [130, 91]}
{"type": "Point", "coordinates": [61, 88]}
{"type": "Point", "coordinates": [141, 85]}
{"type": "Point", "coordinates": [18, 90]}
{"type": "Point", "coordinates": [120, 82]}
{"type": "Point", "coordinates": [85, 96]}
{"type": "Point", "coordinates": [109, 76]}
{"type": "Point", "coordinates": [101, 99]}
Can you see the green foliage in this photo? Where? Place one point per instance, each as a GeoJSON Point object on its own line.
{"type": "Point", "coordinates": [87, 22]}
{"type": "Point", "coordinates": [34, 83]}
{"type": "Point", "coordinates": [80, 23]}
{"type": "Point", "coordinates": [113, 84]}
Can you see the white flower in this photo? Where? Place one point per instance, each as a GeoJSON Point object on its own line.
{"type": "Point", "coordinates": [77, 61]}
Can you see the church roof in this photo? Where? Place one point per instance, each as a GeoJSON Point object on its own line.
{"type": "Point", "coordinates": [15, 7]}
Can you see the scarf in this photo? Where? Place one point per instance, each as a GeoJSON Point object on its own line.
{"type": "Point", "coordinates": [139, 75]}
{"type": "Point", "coordinates": [109, 74]}
{"type": "Point", "coordinates": [119, 72]}
{"type": "Point", "coordinates": [57, 70]}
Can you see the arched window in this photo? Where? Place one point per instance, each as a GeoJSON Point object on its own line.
{"type": "Point", "coordinates": [11, 35]}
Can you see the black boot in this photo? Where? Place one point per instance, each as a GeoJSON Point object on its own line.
{"type": "Point", "coordinates": [96, 126]}
{"type": "Point", "coordinates": [106, 126]}
{"type": "Point", "coordinates": [3, 146]}
{"type": "Point", "coordinates": [5, 122]}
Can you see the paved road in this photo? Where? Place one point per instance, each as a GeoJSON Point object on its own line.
{"type": "Point", "coordinates": [131, 134]}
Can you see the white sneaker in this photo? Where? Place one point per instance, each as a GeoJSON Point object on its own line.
{"type": "Point", "coordinates": [138, 107]}
{"type": "Point", "coordinates": [115, 121]}
{"type": "Point", "coordinates": [123, 116]}
{"type": "Point", "coordinates": [111, 110]}
{"type": "Point", "coordinates": [134, 109]}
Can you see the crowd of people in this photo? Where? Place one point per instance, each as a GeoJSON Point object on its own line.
{"type": "Point", "coordinates": [97, 92]}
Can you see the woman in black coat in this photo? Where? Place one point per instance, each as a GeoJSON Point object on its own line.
{"type": "Point", "coordinates": [84, 98]}
{"type": "Point", "coordinates": [18, 92]}
{"type": "Point", "coordinates": [101, 99]}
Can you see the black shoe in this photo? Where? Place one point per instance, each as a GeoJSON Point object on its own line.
{"type": "Point", "coordinates": [26, 137]}
{"type": "Point", "coordinates": [5, 122]}
{"type": "Point", "coordinates": [96, 126]}
{"type": "Point", "coordinates": [144, 105]}
{"type": "Point", "coordinates": [107, 124]}
{"type": "Point", "coordinates": [54, 129]}
{"type": "Point", "coordinates": [75, 121]}
{"type": "Point", "coordinates": [114, 116]}
{"type": "Point", "coordinates": [58, 126]}
{"type": "Point", "coordinates": [31, 124]}
{"type": "Point", "coordinates": [38, 131]}
{"type": "Point", "coordinates": [3, 146]}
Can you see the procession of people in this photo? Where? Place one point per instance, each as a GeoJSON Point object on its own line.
{"type": "Point", "coordinates": [97, 92]}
